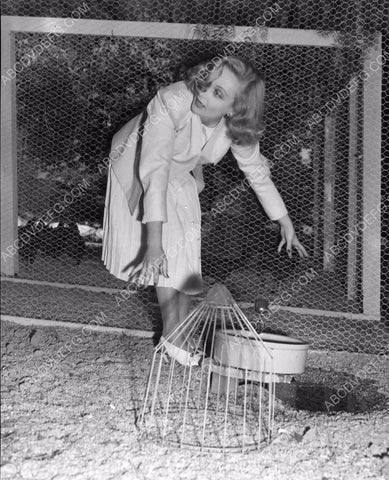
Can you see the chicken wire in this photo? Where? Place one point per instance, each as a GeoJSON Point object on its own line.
{"type": "Point", "coordinates": [74, 95]}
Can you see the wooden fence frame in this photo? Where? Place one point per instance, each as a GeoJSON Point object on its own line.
{"type": "Point", "coordinates": [371, 94]}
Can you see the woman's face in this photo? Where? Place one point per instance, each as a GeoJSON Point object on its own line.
{"type": "Point", "coordinates": [218, 99]}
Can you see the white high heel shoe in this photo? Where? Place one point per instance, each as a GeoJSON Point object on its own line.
{"type": "Point", "coordinates": [185, 358]}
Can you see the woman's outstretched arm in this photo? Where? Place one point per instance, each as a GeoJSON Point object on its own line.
{"type": "Point", "coordinates": [156, 156]}
{"type": "Point", "coordinates": [257, 170]}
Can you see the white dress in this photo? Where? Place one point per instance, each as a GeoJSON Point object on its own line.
{"type": "Point", "coordinates": [172, 147]}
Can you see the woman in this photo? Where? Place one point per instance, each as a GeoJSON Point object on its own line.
{"type": "Point", "coordinates": [155, 237]}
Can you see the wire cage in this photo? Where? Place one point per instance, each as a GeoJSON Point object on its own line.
{"type": "Point", "coordinates": [222, 396]}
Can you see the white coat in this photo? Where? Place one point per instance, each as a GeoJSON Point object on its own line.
{"type": "Point", "coordinates": [173, 145]}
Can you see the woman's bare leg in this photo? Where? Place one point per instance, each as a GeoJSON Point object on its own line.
{"type": "Point", "coordinates": [184, 308]}
{"type": "Point", "coordinates": [184, 302]}
{"type": "Point", "coordinates": [168, 303]}
{"type": "Point", "coordinates": [175, 308]}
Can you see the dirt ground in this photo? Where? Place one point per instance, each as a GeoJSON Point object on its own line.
{"type": "Point", "coordinates": [70, 399]}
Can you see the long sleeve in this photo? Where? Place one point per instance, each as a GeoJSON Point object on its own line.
{"type": "Point", "coordinates": [156, 156]}
{"type": "Point", "coordinates": [256, 169]}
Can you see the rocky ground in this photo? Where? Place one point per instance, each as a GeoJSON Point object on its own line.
{"type": "Point", "coordinates": [70, 399]}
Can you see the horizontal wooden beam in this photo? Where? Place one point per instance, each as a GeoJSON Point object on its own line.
{"type": "Point", "coordinates": [184, 31]}
{"type": "Point", "coordinates": [198, 299]}
{"type": "Point", "coordinates": [39, 322]}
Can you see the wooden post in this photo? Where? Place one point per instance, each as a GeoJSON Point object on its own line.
{"type": "Point", "coordinates": [353, 188]}
{"type": "Point", "coordinates": [317, 159]}
{"type": "Point", "coordinates": [371, 235]}
{"type": "Point", "coordinates": [9, 198]}
{"type": "Point", "coordinates": [329, 193]}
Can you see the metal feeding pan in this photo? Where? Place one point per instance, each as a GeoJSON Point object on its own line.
{"type": "Point", "coordinates": [240, 349]}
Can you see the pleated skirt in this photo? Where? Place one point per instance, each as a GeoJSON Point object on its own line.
{"type": "Point", "coordinates": [124, 235]}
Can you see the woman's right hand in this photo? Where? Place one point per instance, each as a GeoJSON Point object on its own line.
{"type": "Point", "coordinates": [154, 263]}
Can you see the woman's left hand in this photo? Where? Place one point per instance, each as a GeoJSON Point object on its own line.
{"type": "Point", "coordinates": [289, 238]}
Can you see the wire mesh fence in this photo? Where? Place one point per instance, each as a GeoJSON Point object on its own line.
{"type": "Point", "coordinates": [74, 91]}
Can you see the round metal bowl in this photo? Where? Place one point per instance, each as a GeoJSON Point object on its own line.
{"type": "Point", "coordinates": [272, 353]}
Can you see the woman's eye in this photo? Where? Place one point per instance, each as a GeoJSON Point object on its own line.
{"type": "Point", "coordinates": [218, 93]}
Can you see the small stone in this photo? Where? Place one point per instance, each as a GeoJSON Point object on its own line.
{"type": "Point", "coordinates": [36, 338]}
{"type": "Point", "coordinates": [377, 450]}
{"type": "Point", "coordinates": [37, 352]}
{"type": "Point", "coordinates": [35, 389]}
{"type": "Point", "coordinates": [9, 347]}
{"type": "Point", "coordinates": [101, 360]}
{"type": "Point", "coordinates": [310, 435]}
{"type": "Point", "coordinates": [30, 469]}
{"type": "Point", "coordinates": [23, 386]}
{"type": "Point", "coordinates": [8, 469]}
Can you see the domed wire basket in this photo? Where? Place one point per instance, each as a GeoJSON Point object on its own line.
{"type": "Point", "coordinates": [226, 402]}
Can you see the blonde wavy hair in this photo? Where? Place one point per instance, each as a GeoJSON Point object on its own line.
{"type": "Point", "coordinates": [246, 125]}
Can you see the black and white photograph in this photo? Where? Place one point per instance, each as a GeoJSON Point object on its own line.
{"type": "Point", "coordinates": [194, 240]}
